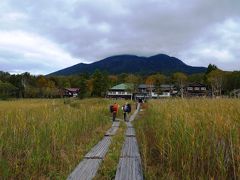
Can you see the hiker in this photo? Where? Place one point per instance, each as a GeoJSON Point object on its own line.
{"type": "Point", "coordinates": [114, 110]}
{"type": "Point", "coordinates": [126, 109]}
{"type": "Point", "coordinates": [140, 101]}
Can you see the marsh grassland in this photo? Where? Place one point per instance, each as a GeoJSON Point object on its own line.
{"type": "Point", "coordinates": [42, 139]}
{"type": "Point", "coordinates": [190, 139]}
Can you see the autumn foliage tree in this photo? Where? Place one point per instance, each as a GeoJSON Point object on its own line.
{"type": "Point", "coordinates": [180, 79]}
{"type": "Point", "coordinates": [215, 78]}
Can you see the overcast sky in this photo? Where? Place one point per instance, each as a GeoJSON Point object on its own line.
{"type": "Point", "coordinates": [42, 36]}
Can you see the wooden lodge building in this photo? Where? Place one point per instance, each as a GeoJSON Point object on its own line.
{"type": "Point", "coordinates": [168, 90]}
{"type": "Point", "coordinates": [144, 91]}
{"type": "Point", "coordinates": [70, 92]}
{"type": "Point", "coordinates": [196, 89]}
{"type": "Point", "coordinates": [124, 91]}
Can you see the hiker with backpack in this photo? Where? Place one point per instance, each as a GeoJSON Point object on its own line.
{"type": "Point", "coordinates": [126, 109]}
{"type": "Point", "coordinates": [114, 110]}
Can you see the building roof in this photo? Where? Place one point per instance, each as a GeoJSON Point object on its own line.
{"type": "Point", "coordinates": [196, 84]}
{"type": "Point", "coordinates": [145, 86]}
{"type": "Point", "coordinates": [167, 86]}
{"type": "Point", "coordinates": [123, 86]}
{"type": "Point", "coordinates": [72, 89]}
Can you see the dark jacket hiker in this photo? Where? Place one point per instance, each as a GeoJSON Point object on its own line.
{"type": "Point", "coordinates": [126, 109]}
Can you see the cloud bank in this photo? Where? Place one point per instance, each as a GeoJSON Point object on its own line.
{"type": "Point", "coordinates": [44, 36]}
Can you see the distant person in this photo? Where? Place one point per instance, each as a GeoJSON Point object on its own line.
{"type": "Point", "coordinates": [114, 110]}
{"type": "Point", "coordinates": [126, 110]}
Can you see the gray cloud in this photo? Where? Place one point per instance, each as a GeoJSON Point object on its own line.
{"type": "Point", "coordinates": [197, 31]}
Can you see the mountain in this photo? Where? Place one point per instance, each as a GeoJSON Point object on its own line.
{"type": "Point", "coordinates": [133, 64]}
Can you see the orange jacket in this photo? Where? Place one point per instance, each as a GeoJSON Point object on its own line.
{"type": "Point", "coordinates": [115, 108]}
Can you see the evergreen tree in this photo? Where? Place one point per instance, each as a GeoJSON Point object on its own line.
{"type": "Point", "coordinates": [210, 68]}
{"type": "Point", "coordinates": [100, 83]}
{"type": "Point", "coordinates": [83, 88]}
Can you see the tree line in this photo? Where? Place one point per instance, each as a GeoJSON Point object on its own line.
{"type": "Point", "coordinates": [95, 85]}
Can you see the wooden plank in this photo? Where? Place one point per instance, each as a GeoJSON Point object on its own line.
{"type": "Point", "coordinates": [117, 119]}
{"type": "Point", "coordinates": [86, 169]}
{"type": "Point", "coordinates": [134, 114]}
{"type": "Point", "coordinates": [130, 148]}
{"type": "Point", "coordinates": [116, 124]}
{"type": "Point", "coordinates": [112, 131]}
{"type": "Point", "coordinates": [99, 150]}
{"type": "Point", "coordinates": [129, 124]}
{"type": "Point", "coordinates": [129, 169]}
{"type": "Point", "coordinates": [130, 132]}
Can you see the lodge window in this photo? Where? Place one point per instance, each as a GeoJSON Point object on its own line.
{"type": "Point", "coordinates": [189, 88]}
{"type": "Point", "coordinates": [197, 88]}
{"type": "Point", "coordinates": [203, 88]}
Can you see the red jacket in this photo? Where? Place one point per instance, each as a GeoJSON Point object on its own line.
{"type": "Point", "coordinates": [115, 108]}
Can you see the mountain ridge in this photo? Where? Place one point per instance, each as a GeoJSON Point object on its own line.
{"type": "Point", "coordinates": [132, 64]}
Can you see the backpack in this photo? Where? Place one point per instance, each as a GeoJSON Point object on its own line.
{"type": "Point", "coordinates": [115, 107]}
{"type": "Point", "coordinates": [129, 108]}
{"type": "Point", "coordinates": [125, 108]}
{"type": "Point", "coordinates": [111, 108]}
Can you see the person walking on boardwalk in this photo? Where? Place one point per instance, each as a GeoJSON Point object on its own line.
{"type": "Point", "coordinates": [114, 110]}
{"type": "Point", "coordinates": [126, 109]}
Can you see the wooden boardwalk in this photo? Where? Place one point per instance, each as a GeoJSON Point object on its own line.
{"type": "Point", "coordinates": [87, 169]}
{"type": "Point", "coordinates": [129, 169]}
{"type": "Point", "coordinates": [116, 124]}
{"type": "Point", "coordinates": [130, 148]}
{"type": "Point", "coordinates": [112, 131]}
{"type": "Point", "coordinates": [91, 162]}
{"type": "Point", "coordinates": [100, 150]}
{"type": "Point", "coordinates": [129, 124]}
{"type": "Point", "coordinates": [130, 132]}
{"type": "Point", "coordinates": [129, 166]}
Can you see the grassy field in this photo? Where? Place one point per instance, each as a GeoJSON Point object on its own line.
{"type": "Point", "coordinates": [190, 139]}
{"type": "Point", "coordinates": [42, 139]}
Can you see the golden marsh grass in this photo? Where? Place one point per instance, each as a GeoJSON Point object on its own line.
{"type": "Point", "coordinates": [42, 139]}
{"type": "Point", "coordinates": [190, 139]}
